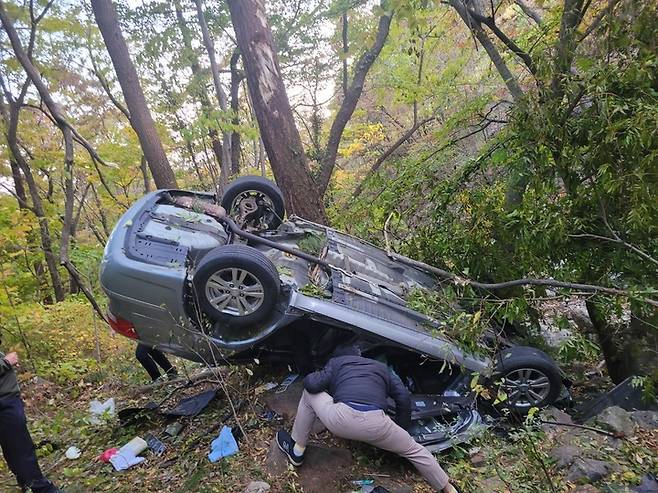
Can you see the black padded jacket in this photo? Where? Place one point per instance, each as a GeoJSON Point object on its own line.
{"type": "Point", "coordinates": [362, 380]}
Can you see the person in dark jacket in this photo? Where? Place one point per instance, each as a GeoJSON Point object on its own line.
{"type": "Point", "coordinates": [349, 396]}
{"type": "Point", "coordinates": [15, 440]}
{"type": "Point", "coordinates": [150, 357]}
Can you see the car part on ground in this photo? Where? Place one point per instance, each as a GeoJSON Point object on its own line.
{"type": "Point", "coordinates": [255, 202]}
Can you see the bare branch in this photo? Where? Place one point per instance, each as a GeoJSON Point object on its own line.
{"type": "Point", "coordinates": [350, 101]}
{"type": "Point", "coordinates": [380, 160]}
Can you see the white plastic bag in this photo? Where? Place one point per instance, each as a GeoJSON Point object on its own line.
{"type": "Point", "coordinates": [98, 409]}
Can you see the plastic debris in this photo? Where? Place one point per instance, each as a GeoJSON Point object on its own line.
{"type": "Point", "coordinates": [362, 482]}
{"type": "Point", "coordinates": [191, 406]}
{"type": "Point", "coordinates": [99, 410]}
{"type": "Point", "coordinates": [108, 454]}
{"type": "Point", "coordinates": [223, 446]}
{"type": "Point", "coordinates": [155, 444]}
{"type": "Point", "coordinates": [174, 429]}
{"type": "Point", "coordinates": [127, 456]}
{"type": "Point", "coordinates": [73, 453]}
{"type": "Point", "coordinates": [289, 380]}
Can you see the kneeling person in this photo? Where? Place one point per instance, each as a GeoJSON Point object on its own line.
{"type": "Point", "coordinates": [349, 397]}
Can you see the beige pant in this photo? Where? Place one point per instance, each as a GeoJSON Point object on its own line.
{"type": "Point", "coordinates": [373, 427]}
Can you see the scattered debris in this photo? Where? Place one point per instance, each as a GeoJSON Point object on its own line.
{"type": "Point", "coordinates": [193, 405]}
{"type": "Point", "coordinates": [73, 453]}
{"type": "Point", "coordinates": [108, 454]}
{"type": "Point", "coordinates": [624, 395]}
{"type": "Point", "coordinates": [99, 410]}
{"type": "Point", "coordinates": [155, 444]}
{"type": "Point", "coordinates": [223, 446]}
{"type": "Point", "coordinates": [128, 455]}
{"type": "Point", "coordinates": [265, 387]}
{"type": "Point", "coordinates": [174, 429]}
{"type": "Point", "coordinates": [289, 380]}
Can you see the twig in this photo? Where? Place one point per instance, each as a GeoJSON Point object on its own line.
{"type": "Point", "coordinates": [584, 427]}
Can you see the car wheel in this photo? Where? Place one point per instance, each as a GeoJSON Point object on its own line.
{"type": "Point", "coordinates": [236, 285]}
{"type": "Point", "coordinates": [528, 377]}
{"type": "Point", "coordinates": [254, 202]}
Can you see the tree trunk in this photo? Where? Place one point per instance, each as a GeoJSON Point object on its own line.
{"type": "Point", "coordinates": [615, 344]}
{"type": "Point", "coordinates": [273, 112]}
{"type": "Point", "coordinates": [218, 149]}
{"type": "Point", "coordinates": [490, 48]}
{"type": "Point", "coordinates": [227, 154]}
{"type": "Point", "coordinates": [350, 100]}
{"type": "Point", "coordinates": [143, 166]}
{"type": "Point", "coordinates": [530, 11]}
{"type": "Point", "coordinates": [140, 116]}
{"type": "Point", "coordinates": [236, 78]}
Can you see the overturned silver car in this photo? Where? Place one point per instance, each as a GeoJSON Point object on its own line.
{"type": "Point", "coordinates": [228, 281]}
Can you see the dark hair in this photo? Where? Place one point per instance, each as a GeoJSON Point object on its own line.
{"type": "Point", "coordinates": [346, 350]}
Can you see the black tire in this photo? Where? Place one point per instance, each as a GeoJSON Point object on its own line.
{"type": "Point", "coordinates": [543, 378]}
{"type": "Point", "coordinates": [272, 217]}
{"type": "Point", "coordinates": [261, 276]}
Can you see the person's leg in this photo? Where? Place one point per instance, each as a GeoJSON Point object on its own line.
{"type": "Point", "coordinates": [159, 357]}
{"type": "Point", "coordinates": [18, 449]}
{"type": "Point", "coordinates": [143, 355]}
{"type": "Point", "coordinates": [306, 415]}
{"type": "Point", "coordinates": [395, 439]}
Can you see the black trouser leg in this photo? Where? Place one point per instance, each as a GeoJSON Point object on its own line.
{"type": "Point", "coordinates": [143, 355]}
{"type": "Point", "coordinates": [159, 357]}
{"type": "Point", "coordinates": [18, 449]}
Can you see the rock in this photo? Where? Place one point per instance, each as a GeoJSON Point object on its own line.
{"type": "Point", "coordinates": [324, 469]}
{"type": "Point", "coordinates": [257, 487]}
{"type": "Point", "coordinates": [588, 470]}
{"type": "Point", "coordinates": [616, 419]}
{"type": "Point", "coordinates": [554, 414]}
{"type": "Point", "coordinates": [647, 420]}
{"type": "Point", "coordinates": [478, 460]}
{"type": "Point", "coordinates": [564, 455]}
{"type": "Point", "coordinates": [649, 484]}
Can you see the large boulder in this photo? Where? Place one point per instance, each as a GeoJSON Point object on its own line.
{"type": "Point", "coordinates": [565, 455]}
{"type": "Point", "coordinates": [647, 420]}
{"type": "Point", "coordinates": [589, 470]}
{"type": "Point", "coordinates": [617, 420]}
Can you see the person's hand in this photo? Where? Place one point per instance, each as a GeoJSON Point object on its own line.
{"type": "Point", "coordinates": [12, 359]}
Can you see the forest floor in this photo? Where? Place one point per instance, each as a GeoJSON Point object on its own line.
{"type": "Point", "coordinates": [519, 458]}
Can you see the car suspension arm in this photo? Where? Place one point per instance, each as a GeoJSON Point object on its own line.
{"type": "Point", "coordinates": [264, 241]}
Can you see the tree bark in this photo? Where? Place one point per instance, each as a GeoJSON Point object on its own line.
{"type": "Point", "coordinates": [494, 55]}
{"type": "Point", "coordinates": [273, 112]}
{"type": "Point", "coordinates": [236, 78]}
{"type": "Point", "coordinates": [140, 116]}
{"type": "Point", "coordinates": [350, 100]}
{"type": "Point", "coordinates": [143, 166]}
{"type": "Point", "coordinates": [530, 11]}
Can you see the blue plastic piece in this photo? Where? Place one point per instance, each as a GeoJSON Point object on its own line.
{"type": "Point", "coordinates": [223, 446]}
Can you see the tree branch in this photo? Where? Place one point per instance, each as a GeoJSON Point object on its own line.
{"type": "Point", "coordinates": [618, 241]}
{"type": "Point", "coordinates": [350, 101]}
{"type": "Point", "coordinates": [384, 155]}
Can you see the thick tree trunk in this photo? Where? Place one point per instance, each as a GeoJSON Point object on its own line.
{"type": "Point", "coordinates": [273, 112]}
{"type": "Point", "coordinates": [19, 188]}
{"type": "Point", "coordinates": [140, 116]}
{"type": "Point", "coordinates": [615, 345]}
